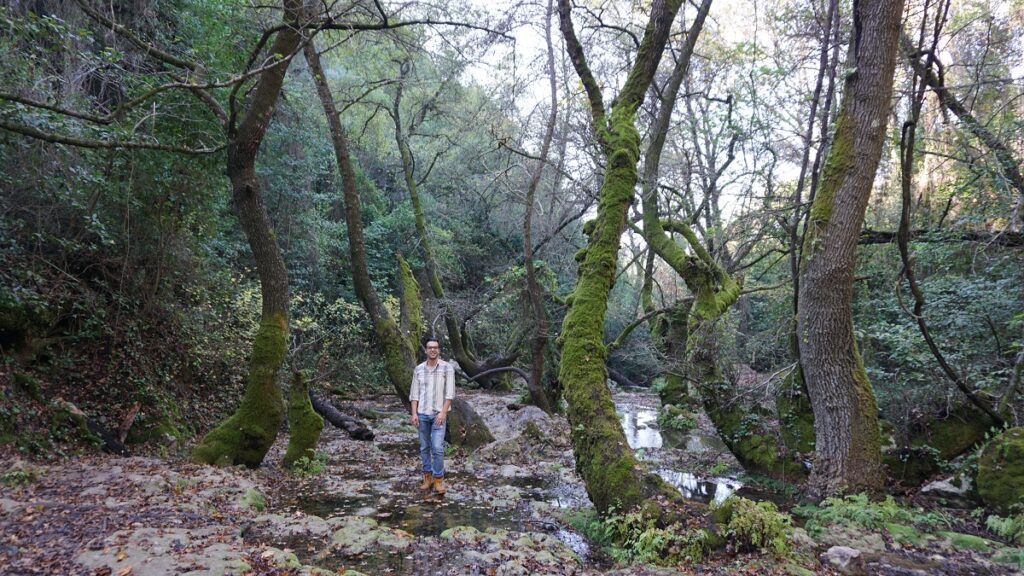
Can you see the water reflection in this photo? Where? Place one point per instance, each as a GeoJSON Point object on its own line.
{"type": "Point", "coordinates": [640, 425]}
{"type": "Point", "coordinates": [705, 490]}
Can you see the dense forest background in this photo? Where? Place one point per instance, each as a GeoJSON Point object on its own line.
{"type": "Point", "coordinates": [129, 289]}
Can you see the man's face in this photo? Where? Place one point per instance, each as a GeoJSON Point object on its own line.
{"type": "Point", "coordinates": [433, 349]}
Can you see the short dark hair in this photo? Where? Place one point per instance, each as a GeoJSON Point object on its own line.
{"type": "Point", "coordinates": [431, 339]}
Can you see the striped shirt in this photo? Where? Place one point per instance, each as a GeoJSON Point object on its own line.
{"type": "Point", "coordinates": [432, 386]}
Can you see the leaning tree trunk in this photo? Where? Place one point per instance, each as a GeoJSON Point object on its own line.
{"type": "Point", "coordinates": [603, 458]}
{"type": "Point", "coordinates": [848, 443]}
{"type": "Point", "coordinates": [246, 436]}
{"type": "Point", "coordinates": [465, 427]}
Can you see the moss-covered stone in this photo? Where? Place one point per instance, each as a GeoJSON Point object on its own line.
{"type": "Point", "coordinates": [305, 423]}
{"type": "Point", "coordinates": [1001, 470]}
{"type": "Point", "coordinates": [246, 436]}
{"type": "Point", "coordinates": [908, 535]}
{"type": "Point", "coordinates": [957, 542]}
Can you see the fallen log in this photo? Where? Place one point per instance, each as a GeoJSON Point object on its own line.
{"type": "Point", "coordinates": [356, 429]}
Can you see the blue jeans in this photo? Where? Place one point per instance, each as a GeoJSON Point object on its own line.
{"type": "Point", "coordinates": [432, 445]}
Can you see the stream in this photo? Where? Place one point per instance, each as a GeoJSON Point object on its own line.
{"type": "Point", "coordinates": [511, 490]}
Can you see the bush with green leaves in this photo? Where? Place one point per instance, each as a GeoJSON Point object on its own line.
{"type": "Point", "coordinates": [753, 525]}
{"type": "Point", "coordinates": [634, 537]}
{"type": "Point", "coordinates": [1009, 527]}
{"type": "Point", "coordinates": [306, 466]}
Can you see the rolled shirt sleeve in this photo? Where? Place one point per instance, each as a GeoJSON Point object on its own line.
{"type": "Point", "coordinates": [414, 388]}
{"type": "Point", "coordinates": [449, 383]}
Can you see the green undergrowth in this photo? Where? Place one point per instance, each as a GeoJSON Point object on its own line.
{"type": "Point", "coordinates": [747, 526]}
{"type": "Point", "coordinates": [1009, 527]}
{"type": "Point", "coordinates": [634, 538]}
{"type": "Point", "coordinates": [859, 511]}
{"type": "Point", "coordinates": [310, 466]}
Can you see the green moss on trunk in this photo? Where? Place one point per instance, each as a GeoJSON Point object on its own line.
{"type": "Point", "coordinates": [245, 437]}
{"type": "Point", "coordinates": [306, 424]}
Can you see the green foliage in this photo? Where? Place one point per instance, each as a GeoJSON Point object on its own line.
{"type": "Point", "coordinates": [858, 510]}
{"type": "Point", "coordinates": [254, 500]}
{"type": "Point", "coordinates": [634, 537]}
{"type": "Point", "coordinates": [679, 419]}
{"type": "Point", "coordinates": [20, 474]}
{"type": "Point", "coordinates": [755, 525]}
{"type": "Point", "coordinates": [310, 466]}
{"type": "Point", "coordinates": [1009, 527]}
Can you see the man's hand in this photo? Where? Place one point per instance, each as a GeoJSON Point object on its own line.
{"type": "Point", "coordinates": [440, 418]}
{"type": "Point", "coordinates": [415, 420]}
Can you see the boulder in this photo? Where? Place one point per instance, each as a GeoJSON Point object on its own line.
{"type": "Point", "coordinates": [1001, 470]}
{"type": "Point", "coordinates": [844, 560]}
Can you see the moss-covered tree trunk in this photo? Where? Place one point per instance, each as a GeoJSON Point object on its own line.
{"type": "Point", "coordinates": [305, 424]}
{"type": "Point", "coordinates": [848, 443]}
{"type": "Point", "coordinates": [465, 426]}
{"type": "Point", "coordinates": [603, 458]}
{"type": "Point", "coordinates": [246, 435]}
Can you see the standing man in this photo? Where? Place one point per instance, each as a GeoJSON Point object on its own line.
{"type": "Point", "coordinates": [431, 394]}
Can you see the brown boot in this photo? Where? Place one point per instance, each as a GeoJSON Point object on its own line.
{"type": "Point", "coordinates": [428, 481]}
{"type": "Point", "coordinates": [439, 486]}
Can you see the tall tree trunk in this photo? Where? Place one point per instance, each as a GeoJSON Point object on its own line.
{"type": "Point", "coordinates": [464, 426]}
{"type": "Point", "coordinates": [603, 458]}
{"type": "Point", "coordinates": [848, 443]}
{"type": "Point", "coordinates": [669, 332]}
{"type": "Point", "coordinates": [245, 436]}
{"type": "Point", "coordinates": [541, 323]}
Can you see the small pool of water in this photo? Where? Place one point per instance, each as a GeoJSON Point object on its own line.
{"type": "Point", "coordinates": [640, 424]}
{"type": "Point", "coordinates": [705, 490]}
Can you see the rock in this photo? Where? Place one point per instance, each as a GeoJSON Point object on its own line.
{"type": "Point", "coordinates": [144, 552]}
{"type": "Point", "coordinates": [801, 539]}
{"type": "Point", "coordinates": [463, 533]}
{"type": "Point", "coordinates": [845, 560]}
{"type": "Point", "coordinates": [908, 535]}
{"type": "Point", "coordinates": [1001, 470]}
{"type": "Point", "coordinates": [282, 558]}
{"type": "Point", "coordinates": [357, 534]}
{"type": "Point", "coordinates": [954, 488]}
{"type": "Point", "coordinates": [957, 542]}
{"type": "Point", "coordinates": [846, 536]}
{"type": "Point", "coordinates": [511, 471]}
{"type": "Point", "coordinates": [284, 527]}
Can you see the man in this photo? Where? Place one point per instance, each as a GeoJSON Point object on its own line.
{"type": "Point", "coordinates": [431, 394]}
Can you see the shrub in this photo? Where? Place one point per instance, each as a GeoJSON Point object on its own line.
{"type": "Point", "coordinates": [755, 525]}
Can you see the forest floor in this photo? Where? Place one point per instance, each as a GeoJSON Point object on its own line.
{"type": "Point", "coordinates": [515, 506]}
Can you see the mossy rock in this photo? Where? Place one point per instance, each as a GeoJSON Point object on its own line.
{"type": "Point", "coordinates": [955, 434]}
{"type": "Point", "coordinates": [1001, 470]}
{"type": "Point", "coordinates": [927, 447]}
{"type": "Point", "coordinates": [908, 535]}
{"type": "Point", "coordinates": [910, 466]}
{"type": "Point", "coordinates": [957, 542]}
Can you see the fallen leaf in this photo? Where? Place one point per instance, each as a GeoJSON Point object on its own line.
{"type": "Point", "coordinates": [124, 571]}
{"type": "Point", "coordinates": [121, 555]}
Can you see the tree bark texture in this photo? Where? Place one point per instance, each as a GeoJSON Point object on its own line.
{"type": "Point", "coordinates": [465, 426]}
{"type": "Point", "coordinates": [541, 323]}
{"type": "Point", "coordinates": [246, 436]}
{"type": "Point", "coordinates": [603, 458]}
{"type": "Point", "coordinates": [848, 444]}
